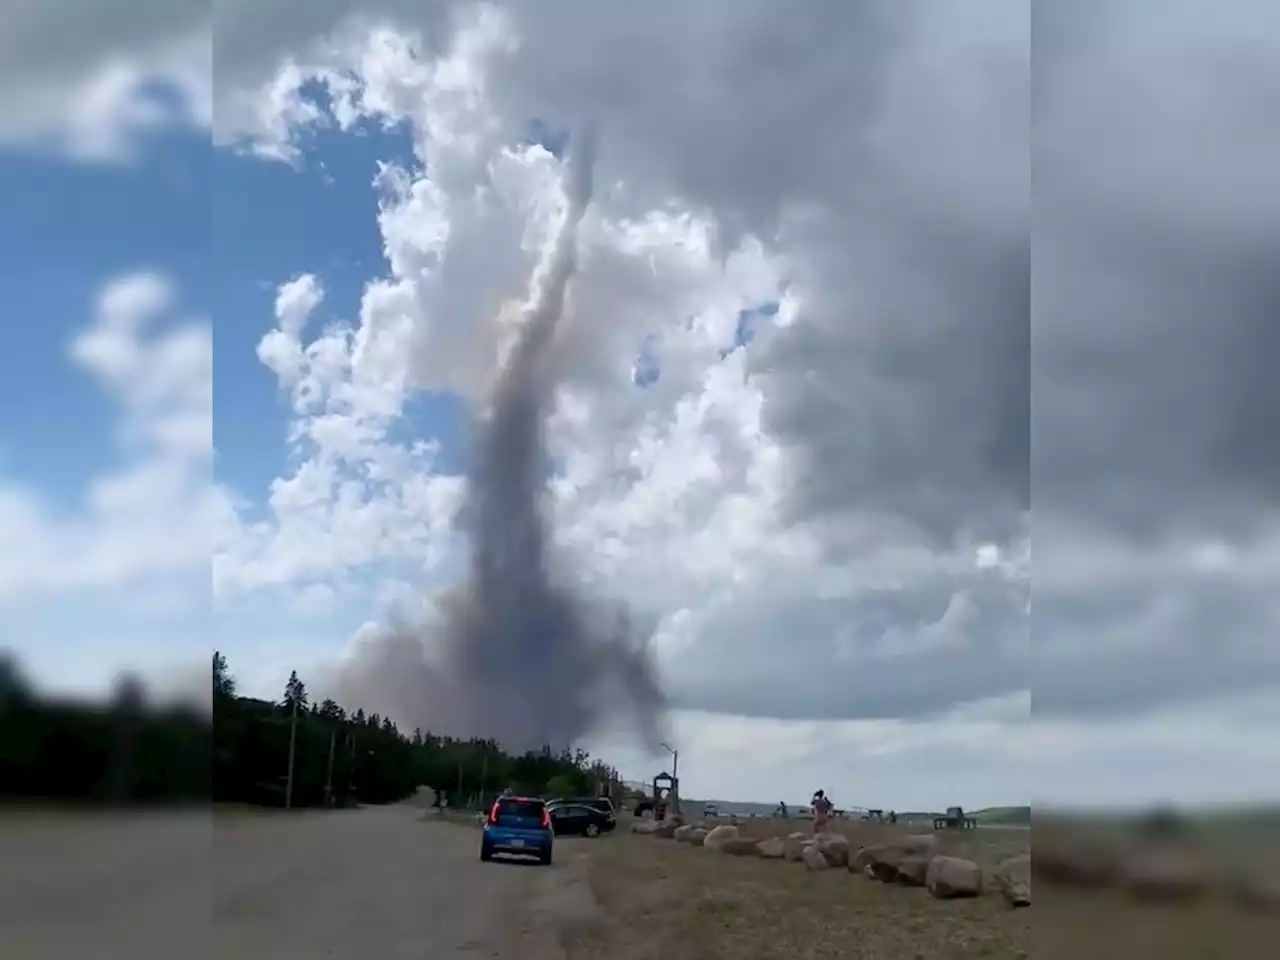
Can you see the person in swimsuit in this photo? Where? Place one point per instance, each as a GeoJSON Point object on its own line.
{"type": "Point", "coordinates": [821, 812]}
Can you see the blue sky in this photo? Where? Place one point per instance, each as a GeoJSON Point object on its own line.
{"type": "Point", "coordinates": [66, 230]}
{"type": "Point", "coordinates": [225, 229]}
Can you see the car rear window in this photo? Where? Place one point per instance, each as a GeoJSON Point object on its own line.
{"type": "Point", "coordinates": [520, 808]}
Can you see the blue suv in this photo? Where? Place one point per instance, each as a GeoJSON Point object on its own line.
{"type": "Point", "coordinates": [518, 825]}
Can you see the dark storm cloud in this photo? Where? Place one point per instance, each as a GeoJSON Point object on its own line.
{"type": "Point", "coordinates": [902, 653]}
{"type": "Point", "coordinates": [914, 399]}
{"type": "Point", "coordinates": [52, 37]}
{"type": "Point", "coordinates": [1156, 409]}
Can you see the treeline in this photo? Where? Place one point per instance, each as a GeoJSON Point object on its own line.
{"type": "Point", "coordinates": [125, 752]}
{"type": "Point", "coordinates": [131, 752]}
{"type": "Point", "coordinates": [342, 757]}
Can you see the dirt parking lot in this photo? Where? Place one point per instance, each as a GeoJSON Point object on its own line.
{"type": "Point", "coordinates": [391, 883]}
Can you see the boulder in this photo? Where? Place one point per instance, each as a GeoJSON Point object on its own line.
{"type": "Point", "coordinates": [813, 858]}
{"type": "Point", "coordinates": [911, 871]}
{"type": "Point", "coordinates": [921, 844]}
{"type": "Point", "coordinates": [949, 878]}
{"type": "Point", "coordinates": [667, 829]}
{"type": "Point", "coordinates": [793, 847]}
{"type": "Point", "coordinates": [1013, 879]}
{"type": "Point", "coordinates": [879, 863]}
{"type": "Point", "coordinates": [717, 837]}
{"type": "Point", "coordinates": [773, 848]}
{"type": "Point", "coordinates": [691, 834]}
{"type": "Point", "coordinates": [646, 827]}
{"type": "Point", "coordinates": [834, 847]}
{"type": "Point", "coordinates": [891, 863]}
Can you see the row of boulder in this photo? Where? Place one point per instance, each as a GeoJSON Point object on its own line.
{"type": "Point", "coordinates": [909, 861]}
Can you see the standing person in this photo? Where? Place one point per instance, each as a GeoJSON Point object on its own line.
{"type": "Point", "coordinates": [821, 812]}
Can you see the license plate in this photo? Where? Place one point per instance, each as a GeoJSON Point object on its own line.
{"type": "Point", "coordinates": [517, 843]}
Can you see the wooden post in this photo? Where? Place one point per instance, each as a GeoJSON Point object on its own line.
{"type": "Point", "coordinates": [351, 768]}
{"type": "Point", "coordinates": [328, 779]}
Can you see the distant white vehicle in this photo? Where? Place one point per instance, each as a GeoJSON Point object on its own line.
{"type": "Point", "coordinates": [710, 810]}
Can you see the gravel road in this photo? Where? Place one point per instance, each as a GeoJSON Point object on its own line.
{"type": "Point", "coordinates": [386, 883]}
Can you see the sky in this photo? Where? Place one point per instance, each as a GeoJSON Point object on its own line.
{"type": "Point", "coordinates": [825, 375]}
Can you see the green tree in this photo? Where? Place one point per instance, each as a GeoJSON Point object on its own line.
{"type": "Point", "coordinates": [224, 685]}
{"type": "Point", "coordinates": [295, 693]}
{"type": "Point", "coordinates": [135, 752]}
{"type": "Point", "coordinates": [560, 786]}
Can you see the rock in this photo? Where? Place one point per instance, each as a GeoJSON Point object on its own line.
{"type": "Point", "coordinates": [717, 837]}
{"type": "Point", "coordinates": [682, 834]}
{"type": "Point", "coordinates": [646, 827]}
{"type": "Point", "coordinates": [865, 857]}
{"type": "Point", "coordinates": [698, 837]}
{"type": "Point", "coordinates": [922, 844]}
{"type": "Point", "coordinates": [740, 847]}
{"type": "Point", "coordinates": [912, 871]}
{"type": "Point", "coordinates": [793, 847]}
{"type": "Point", "coordinates": [772, 849]}
{"type": "Point", "coordinates": [1013, 878]}
{"type": "Point", "coordinates": [905, 864]}
{"type": "Point", "coordinates": [667, 829]}
{"type": "Point", "coordinates": [950, 878]}
{"type": "Point", "coordinates": [834, 847]}
{"type": "Point", "coordinates": [813, 858]}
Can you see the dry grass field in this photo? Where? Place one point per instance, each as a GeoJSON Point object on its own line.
{"type": "Point", "coordinates": [663, 900]}
{"type": "Point", "coordinates": [671, 901]}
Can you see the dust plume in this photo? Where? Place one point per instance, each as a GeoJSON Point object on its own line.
{"type": "Point", "coordinates": [516, 651]}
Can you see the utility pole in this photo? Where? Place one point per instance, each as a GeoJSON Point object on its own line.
{"type": "Point", "coordinates": [293, 741]}
{"type": "Point", "coordinates": [351, 768]}
{"type": "Point", "coordinates": [675, 776]}
{"type": "Point", "coordinates": [328, 778]}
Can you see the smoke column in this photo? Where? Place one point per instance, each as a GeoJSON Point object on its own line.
{"type": "Point", "coordinates": [517, 653]}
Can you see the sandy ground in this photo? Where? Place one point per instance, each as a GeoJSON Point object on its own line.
{"type": "Point", "coordinates": [386, 882]}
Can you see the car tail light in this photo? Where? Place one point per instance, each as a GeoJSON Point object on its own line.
{"type": "Point", "coordinates": [493, 814]}
{"type": "Point", "coordinates": [546, 819]}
